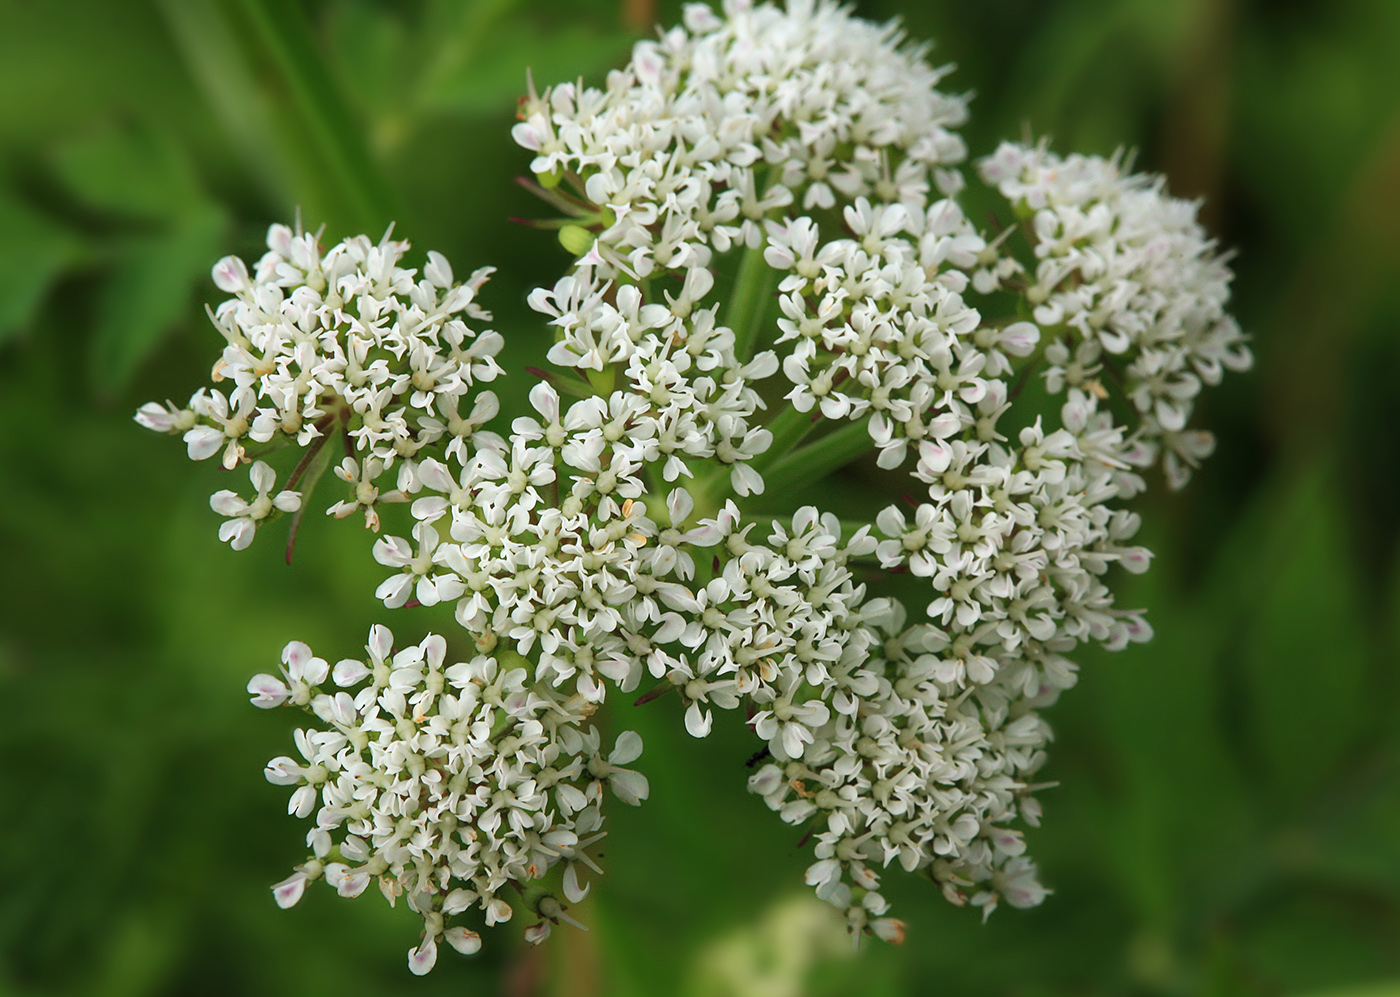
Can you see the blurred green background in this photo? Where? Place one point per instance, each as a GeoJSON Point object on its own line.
{"type": "Point", "coordinates": [1228, 815]}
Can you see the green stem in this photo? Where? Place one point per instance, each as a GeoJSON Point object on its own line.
{"type": "Point", "coordinates": [307, 474]}
{"type": "Point", "coordinates": [788, 427]}
{"type": "Point", "coordinates": [748, 302]}
{"type": "Point", "coordinates": [817, 459]}
{"type": "Point", "coordinates": [286, 36]}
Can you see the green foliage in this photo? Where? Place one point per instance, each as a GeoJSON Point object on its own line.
{"type": "Point", "coordinates": [1228, 817]}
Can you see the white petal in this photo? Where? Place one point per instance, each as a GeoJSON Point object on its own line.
{"type": "Point", "coordinates": [696, 722]}
{"type": "Point", "coordinates": [231, 275]}
{"type": "Point", "coordinates": [629, 786]}
{"type": "Point", "coordinates": [349, 672]}
{"type": "Point", "coordinates": [268, 691]}
{"type": "Point", "coordinates": [238, 533]}
{"type": "Point", "coordinates": [289, 891]}
{"type": "Point", "coordinates": [424, 957]}
{"type": "Point", "coordinates": [464, 941]}
{"type": "Point", "coordinates": [628, 748]}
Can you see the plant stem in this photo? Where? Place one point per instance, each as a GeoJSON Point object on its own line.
{"type": "Point", "coordinates": [286, 36]}
{"type": "Point", "coordinates": [788, 427]}
{"type": "Point", "coordinates": [748, 302]}
{"type": "Point", "coordinates": [817, 459]}
{"type": "Point", "coordinates": [308, 473]}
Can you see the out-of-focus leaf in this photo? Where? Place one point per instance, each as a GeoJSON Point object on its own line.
{"type": "Point", "coordinates": [137, 171]}
{"type": "Point", "coordinates": [1391, 989]}
{"type": "Point", "coordinates": [227, 77]}
{"type": "Point", "coordinates": [148, 292]}
{"type": "Point", "coordinates": [1159, 706]}
{"type": "Point", "coordinates": [1303, 654]}
{"type": "Point", "coordinates": [324, 123]}
{"type": "Point", "coordinates": [493, 78]}
{"type": "Point", "coordinates": [370, 47]}
{"type": "Point", "coordinates": [1303, 942]}
{"type": "Point", "coordinates": [34, 252]}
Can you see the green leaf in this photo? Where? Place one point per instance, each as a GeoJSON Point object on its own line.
{"type": "Point", "coordinates": [34, 252]}
{"type": "Point", "coordinates": [138, 170]}
{"type": "Point", "coordinates": [1302, 642]}
{"type": "Point", "coordinates": [1391, 989]}
{"type": "Point", "coordinates": [493, 78]}
{"type": "Point", "coordinates": [148, 292]}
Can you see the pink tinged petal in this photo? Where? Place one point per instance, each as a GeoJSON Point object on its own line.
{"type": "Point", "coordinates": [628, 748]}
{"type": "Point", "coordinates": [934, 458]}
{"type": "Point", "coordinates": [268, 691]}
{"type": "Point", "coordinates": [526, 135]}
{"type": "Point", "coordinates": [1136, 559]}
{"type": "Point", "coordinates": [162, 419]}
{"type": "Point", "coordinates": [231, 275]}
{"type": "Point", "coordinates": [203, 443]}
{"type": "Point", "coordinates": [353, 883]}
{"type": "Point", "coordinates": [945, 425]}
{"type": "Point", "coordinates": [422, 959]}
{"type": "Point", "coordinates": [628, 786]}
{"type": "Point", "coordinates": [545, 400]}
{"type": "Point", "coordinates": [1139, 630]}
{"type": "Point", "coordinates": [679, 505]}
{"type": "Point", "coordinates": [289, 891]}
{"type": "Point", "coordinates": [349, 672]}
{"type": "Point", "coordinates": [393, 552]}
{"type": "Point", "coordinates": [464, 941]}
{"type": "Point", "coordinates": [1020, 338]}
{"type": "Point", "coordinates": [435, 476]}
{"type": "Point", "coordinates": [537, 933]}
{"type": "Point", "coordinates": [590, 688]}
{"type": "Point", "coordinates": [295, 656]}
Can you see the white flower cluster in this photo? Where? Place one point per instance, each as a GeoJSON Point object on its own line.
{"type": "Point", "coordinates": [717, 125]}
{"type": "Point", "coordinates": [343, 344]}
{"type": "Point", "coordinates": [444, 784]}
{"type": "Point", "coordinates": [880, 327]}
{"type": "Point", "coordinates": [1125, 283]}
{"type": "Point", "coordinates": [689, 397]}
{"type": "Point", "coordinates": [782, 164]}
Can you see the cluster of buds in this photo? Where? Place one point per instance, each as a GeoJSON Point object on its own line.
{"type": "Point", "coordinates": [772, 277]}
